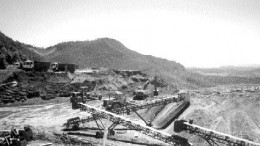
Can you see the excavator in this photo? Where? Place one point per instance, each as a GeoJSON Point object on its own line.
{"type": "Point", "coordinates": [142, 94]}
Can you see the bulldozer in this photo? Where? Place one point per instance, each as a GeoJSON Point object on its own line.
{"type": "Point", "coordinates": [143, 93]}
{"type": "Point", "coordinates": [115, 100]}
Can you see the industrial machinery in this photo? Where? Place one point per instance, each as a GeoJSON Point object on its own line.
{"type": "Point", "coordinates": [183, 98]}
{"type": "Point", "coordinates": [116, 100]}
{"type": "Point", "coordinates": [97, 114]}
{"type": "Point", "coordinates": [42, 66]}
{"type": "Point", "coordinates": [56, 67]}
{"type": "Point", "coordinates": [75, 98]}
{"type": "Point", "coordinates": [129, 108]}
{"type": "Point", "coordinates": [16, 137]}
{"type": "Point", "coordinates": [93, 95]}
{"type": "Point", "coordinates": [160, 101]}
{"type": "Point", "coordinates": [211, 136]}
{"type": "Point", "coordinates": [30, 65]}
{"type": "Point", "coordinates": [82, 96]}
{"type": "Point", "coordinates": [141, 94]}
{"type": "Point", "coordinates": [119, 105]}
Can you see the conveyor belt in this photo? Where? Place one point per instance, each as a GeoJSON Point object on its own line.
{"type": "Point", "coordinates": [156, 134]}
{"type": "Point", "coordinates": [211, 136]}
{"type": "Point", "coordinates": [128, 109]}
{"type": "Point", "coordinates": [132, 108]}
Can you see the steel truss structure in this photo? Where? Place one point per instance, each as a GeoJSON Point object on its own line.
{"type": "Point", "coordinates": [149, 131]}
{"type": "Point", "coordinates": [211, 136]}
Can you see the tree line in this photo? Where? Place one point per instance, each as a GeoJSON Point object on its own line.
{"type": "Point", "coordinates": [8, 57]}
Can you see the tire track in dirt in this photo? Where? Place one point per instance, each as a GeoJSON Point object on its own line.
{"type": "Point", "coordinates": [243, 126]}
{"type": "Point", "coordinates": [220, 125]}
{"type": "Point", "coordinates": [215, 123]}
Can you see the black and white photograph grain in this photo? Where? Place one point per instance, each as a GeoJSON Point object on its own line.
{"type": "Point", "coordinates": [129, 72]}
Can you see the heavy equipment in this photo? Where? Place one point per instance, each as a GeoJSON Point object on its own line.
{"type": "Point", "coordinates": [130, 107]}
{"type": "Point", "coordinates": [93, 95]}
{"type": "Point", "coordinates": [41, 66]}
{"type": "Point", "coordinates": [56, 67]}
{"type": "Point", "coordinates": [115, 100]}
{"type": "Point", "coordinates": [211, 136]}
{"type": "Point", "coordinates": [143, 93]}
{"type": "Point", "coordinates": [83, 96]}
{"type": "Point", "coordinates": [16, 137]}
{"type": "Point", "coordinates": [28, 65]}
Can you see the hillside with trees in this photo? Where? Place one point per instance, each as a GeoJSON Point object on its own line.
{"type": "Point", "coordinates": [110, 53]}
{"type": "Point", "coordinates": [13, 51]}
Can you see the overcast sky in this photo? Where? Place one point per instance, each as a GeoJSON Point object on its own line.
{"type": "Point", "coordinates": [195, 33]}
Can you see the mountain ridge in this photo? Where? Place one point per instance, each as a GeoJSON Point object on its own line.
{"type": "Point", "coordinates": [106, 47]}
{"type": "Point", "coordinates": [110, 53]}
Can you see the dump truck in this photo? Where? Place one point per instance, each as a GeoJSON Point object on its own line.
{"type": "Point", "coordinates": [57, 67]}
{"type": "Point", "coordinates": [40, 66]}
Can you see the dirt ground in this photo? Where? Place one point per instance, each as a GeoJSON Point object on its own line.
{"type": "Point", "coordinates": [49, 118]}
{"type": "Point", "coordinates": [233, 112]}
{"type": "Point", "coordinates": [228, 111]}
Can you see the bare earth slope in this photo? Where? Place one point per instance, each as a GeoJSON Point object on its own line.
{"type": "Point", "coordinates": [235, 113]}
{"type": "Point", "coordinates": [231, 112]}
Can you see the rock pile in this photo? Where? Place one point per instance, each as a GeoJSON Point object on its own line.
{"type": "Point", "coordinates": [12, 94]}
